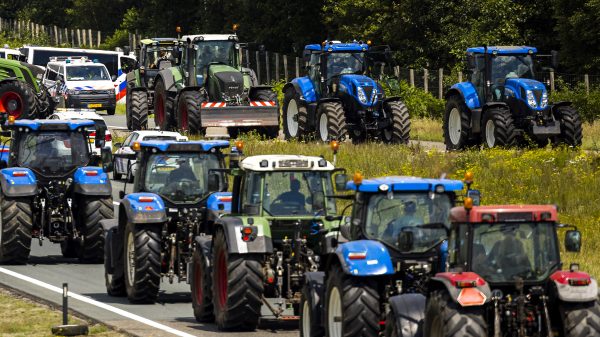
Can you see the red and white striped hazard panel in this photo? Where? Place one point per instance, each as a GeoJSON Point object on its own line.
{"type": "Point", "coordinates": [214, 104]}
{"type": "Point", "coordinates": [262, 103]}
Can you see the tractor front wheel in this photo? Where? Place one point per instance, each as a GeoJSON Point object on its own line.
{"type": "Point", "coordinates": [295, 116]}
{"type": "Point", "coordinates": [15, 230]}
{"type": "Point", "coordinates": [237, 287]}
{"type": "Point", "coordinates": [399, 130]}
{"type": "Point", "coordinates": [141, 250]}
{"type": "Point", "coordinates": [331, 122]}
{"type": "Point", "coordinates": [457, 124]}
{"type": "Point", "coordinates": [91, 212]}
{"type": "Point", "coordinates": [446, 318]}
{"type": "Point", "coordinates": [352, 306]}
{"type": "Point", "coordinates": [200, 283]}
{"type": "Point", "coordinates": [499, 128]}
{"type": "Point", "coordinates": [18, 99]}
{"type": "Point", "coordinates": [188, 112]}
{"type": "Point", "coordinates": [581, 319]}
{"type": "Point", "coordinates": [139, 110]}
{"type": "Point", "coordinates": [570, 126]}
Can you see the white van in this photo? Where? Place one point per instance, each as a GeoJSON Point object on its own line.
{"type": "Point", "coordinates": [80, 83]}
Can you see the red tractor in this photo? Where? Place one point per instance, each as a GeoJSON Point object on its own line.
{"type": "Point", "coordinates": [505, 278]}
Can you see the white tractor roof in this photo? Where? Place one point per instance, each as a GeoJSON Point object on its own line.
{"type": "Point", "coordinates": [77, 114]}
{"type": "Point", "coordinates": [285, 162]}
{"type": "Point", "coordinates": [210, 37]}
{"type": "Point", "coordinates": [149, 133]}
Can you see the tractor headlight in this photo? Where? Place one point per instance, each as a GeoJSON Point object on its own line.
{"type": "Point", "coordinates": [544, 102]}
{"type": "Point", "coordinates": [362, 97]}
{"type": "Point", "coordinates": [531, 99]}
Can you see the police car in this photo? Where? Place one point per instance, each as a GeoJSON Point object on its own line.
{"type": "Point", "coordinates": [90, 114]}
{"type": "Point", "coordinates": [78, 83]}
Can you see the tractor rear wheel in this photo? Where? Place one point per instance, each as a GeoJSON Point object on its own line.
{"type": "Point", "coordinates": [115, 282]}
{"type": "Point", "coordinates": [446, 318]}
{"type": "Point", "coordinates": [268, 132]}
{"type": "Point", "coordinates": [139, 110]}
{"type": "Point", "coordinates": [111, 111]}
{"type": "Point", "coordinates": [15, 230]}
{"type": "Point", "coordinates": [309, 326]}
{"type": "Point", "coordinates": [499, 128]}
{"type": "Point", "coordinates": [570, 126]}
{"type": "Point", "coordinates": [331, 122]}
{"type": "Point", "coordinates": [201, 284]}
{"type": "Point", "coordinates": [161, 108]}
{"type": "Point", "coordinates": [188, 112]}
{"type": "Point", "coordinates": [141, 252]}
{"type": "Point", "coordinates": [399, 130]}
{"type": "Point", "coordinates": [295, 116]}
{"type": "Point", "coordinates": [18, 99]}
{"type": "Point", "coordinates": [351, 306]}
{"type": "Point", "coordinates": [581, 319]}
{"type": "Point", "coordinates": [91, 212]}
{"type": "Point", "coordinates": [457, 124]}
{"type": "Point", "coordinates": [237, 287]}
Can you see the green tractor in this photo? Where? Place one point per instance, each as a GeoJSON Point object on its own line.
{"type": "Point", "coordinates": [154, 55]}
{"type": "Point", "coordinates": [21, 95]}
{"type": "Point", "coordinates": [210, 88]}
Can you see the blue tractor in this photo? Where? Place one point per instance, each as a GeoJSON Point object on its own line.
{"type": "Point", "coordinates": [501, 103]}
{"type": "Point", "coordinates": [394, 240]}
{"type": "Point", "coordinates": [53, 188]}
{"type": "Point", "coordinates": [337, 99]}
{"type": "Point", "coordinates": [153, 236]}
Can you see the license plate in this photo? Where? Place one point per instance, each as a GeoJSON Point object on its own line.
{"type": "Point", "coordinates": [95, 105]}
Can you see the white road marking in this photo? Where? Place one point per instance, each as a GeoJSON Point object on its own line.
{"type": "Point", "coordinates": [104, 306]}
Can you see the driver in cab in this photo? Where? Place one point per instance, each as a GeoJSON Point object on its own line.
{"type": "Point", "coordinates": [183, 172]}
{"type": "Point", "coordinates": [408, 219]}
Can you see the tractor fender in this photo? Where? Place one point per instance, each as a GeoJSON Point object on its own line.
{"type": "Point", "coordinates": [20, 184]}
{"type": "Point", "coordinates": [111, 246]}
{"type": "Point", "coordinates": [305, 88]}
{"type": "Point", "coordinates": [109, 224]}
{"type": "Point", "coordinates": [292, 85]}
{"type": "Point", "coordinates": [217, 204]}
{"type": "Point", "coordinates": [204, 243]}
{"type": "Point", "coordinates": [409, 312]}
{"type": "Point", "coordinates": [315, 283]}
{"type": "Point", "coordinates": [91, 180]}
{"type": "Point", "coordinates": [167, 77]}
{"type": "Point", "coordinates": [489, 105]}
{"type": "Point", "coordinates": [476, 294]}
{"type": "Point", "coordinates": [392, 99]}
{"type": "Point", "coordinates": [232, 227]}
{"type": "Point", "coordinates": [144, 212]}
{"type": "Point", "coordinates": [586, 292]}
{"type": "Point", "coordinates": [364, 258]}
{"type": "Point", "coordinates": [467, 91]}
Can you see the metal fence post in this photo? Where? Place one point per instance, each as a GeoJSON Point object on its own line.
{"type": "Point", "coordinates": [267, 67]}
{"type": "Point", "coordinates": [460, 76]}
{"type": "Point", "coordinates": [441, 83]}
{"type": "Point", "coordinates": [586, 81]}
{"type": "Point", "coordinates": [426, 80]}
{"type": "Point", "coordinates": [552, 80]}
{"type": "Point", "coordinates": [99, 38]}
{"type": "Point", "coordinates": [297, 66]}
{"type": "Point", "coordinates": [258, 66]}
{"type": "Point", "coordinates": [277, 67]}
{"type": "Point", "coordinates": [411, 77]}
{"type": "Point", "coordinates": [285, 68]}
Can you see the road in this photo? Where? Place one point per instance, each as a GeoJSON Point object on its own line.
{"type": "Point", "coordinates": [173, 310]}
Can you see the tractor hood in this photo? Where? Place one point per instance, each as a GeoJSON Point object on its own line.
{"type": "Point", "coordinates": [225, 82]}
{"type": "Point", "coordinates": [363, 88]}
{"type": "Point", "coordinates": [532, 92]}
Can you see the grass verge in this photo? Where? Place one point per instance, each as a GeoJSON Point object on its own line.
{"type": "Point", "coordinates": [20, 317]}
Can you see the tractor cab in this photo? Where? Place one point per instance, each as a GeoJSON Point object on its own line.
{"type": "Point", "coordinates": [156, 54]}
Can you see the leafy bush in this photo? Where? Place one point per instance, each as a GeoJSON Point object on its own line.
{"type": "Point", "coordinates": [588, 106]}
{"type": "Point", "coordinates": [418, 102]}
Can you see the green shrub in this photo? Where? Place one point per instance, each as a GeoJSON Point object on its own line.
{"type": "Point", "coordinates": [419, 103]}
{"type": "Point", "coordinates": [588, 106]}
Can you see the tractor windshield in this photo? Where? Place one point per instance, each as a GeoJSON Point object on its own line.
{"type": "Point", "coordinates": [511, 66]}
{"type": "Point", "coordinates": [503, 252]}
{"type": "Point", "coordinates": [52, 153]}
{"type": "Point", "coordinates": [292, 193]}
{"type": "Point", "coordinates": [154, 54]}
{"type": "Point", "coordinates": [179, 177]}
{"type": "Point", "coordinates": [223, 52]}
{"type": "Point", "coordinates": [409, 222]}
{"type": "Point", "coordinates": [344, 63]}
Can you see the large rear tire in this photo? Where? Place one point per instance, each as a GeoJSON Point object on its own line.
{"type": "Point", "coordinates": [91, 212]}
{"type": "Point", "coordinates": [161, 108]}
{"type": "Point", "coordinates": [237, 287]}
{"type": "Point", "coordinates": [188, 112]}
{"type": "Point", "coordinates": [295, 116]}
{"type": "Point", "coordinates": [581, 319]}
{"type": "Point", "coordinates": [309, 326]}
{"type": "Point", "coordinates": [15, 230]}
{"type": "Point", "coordinates": [499, 128]}
{"type": "Point", "coordinates": [446, 318]}
{"type": "Point", "coordinates": [139, 110]}
{"type": "Point", "coordinates": [331, 122]}
{"type": "Point", "coordinates": [399, 131]}
{"type": "Point", "coordinates": [18, 99]}
{"type": "Point", "coordinates": [457, 124]}
{"type": "Point", "coordinates": [201, 288]}
{"type": "Point", "coordinates": [352, 306]}
{"type": "Point", "coordinates": [141, 252]}
{"type": "Point", "coordinates": [406, 316]}
{"type": "Point", "coordinates": [571, 132]}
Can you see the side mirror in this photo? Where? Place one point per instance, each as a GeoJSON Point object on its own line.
{"type": "Point", "coordinates": [99, 140]}
{"type": "Point", "coordinates": [573, 241]}
{"type": "Point", "coordinates": [471, 61]}
{"type": "Point", "coordinates": [118, 145]}
{"type": "Point", "coordinates": [3, 164]}
{"type": "Point", "coordinates": [476, 196]}
{"type": "Point", "coordinates": [405, 241]}
{"type": "Point", "coordinates": [214, 184]}
{"type": "Point", "coordinates": [340, 182]}
{"type": "Point", "coordinates": [121, 194]}
{"type": "Point", "coordinates": [345, 229]}
{"type": "Point", "coordinates": [107, 159]}
{"type": "Point", "coordinates": [113, 78]}
{"type": "Point", "coordinates": [554, 58]}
